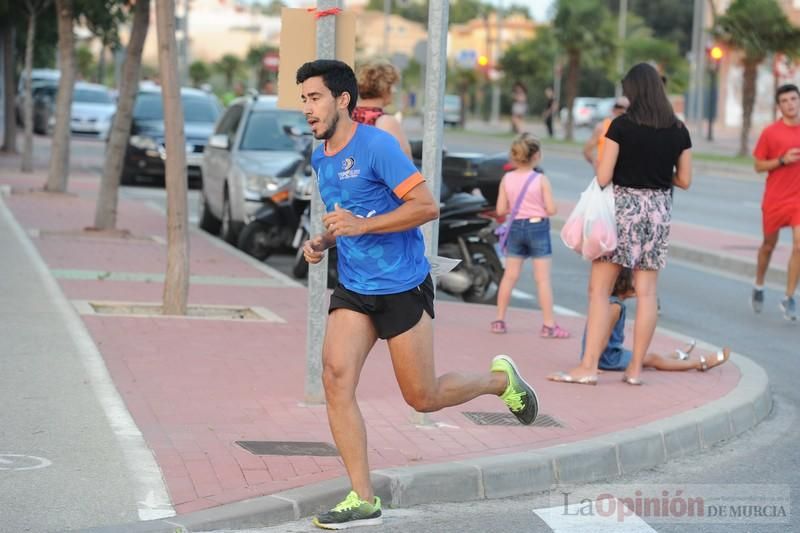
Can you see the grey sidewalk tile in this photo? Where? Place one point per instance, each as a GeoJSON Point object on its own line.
{"type": "Point", "coordinates": [319, 497]}
{"type": "Point", "coordinates": [638, 449]}
{"type": "Point", "coordinates": [714, 428]}
{"type": "Point", "coordinates": [257, 512]}
{"type": "Point", "coordinates": [681, 435]}
{"type": "Point", "coordinates": [451, 482]}
{"type": "Point", "coordinates": [584, 461]}
{"type": "Point", "coordinates": [515, 474]}
{"type": "Point", "coordinates": [743, 418]}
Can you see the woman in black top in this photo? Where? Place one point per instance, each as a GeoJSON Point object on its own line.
{"type": "Point", "coordinates": [647, 152]}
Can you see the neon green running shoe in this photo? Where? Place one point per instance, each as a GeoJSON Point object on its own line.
{"type": "Point", "coordinates": [519, 396]}
{"type": "Point", "coordinates": [352, 512]}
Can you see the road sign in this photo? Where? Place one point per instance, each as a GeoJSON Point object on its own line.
{"type": "Point", "coordinates": [271, 61]}
{"type": "Point", "coordinates": [467, 58]}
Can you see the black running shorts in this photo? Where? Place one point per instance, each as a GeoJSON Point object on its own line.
{"type": "Point", "coordinates": [391, 314]}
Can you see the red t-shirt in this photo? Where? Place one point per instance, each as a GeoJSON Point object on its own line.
{"type": "Point", "coordinates": [783, 183]}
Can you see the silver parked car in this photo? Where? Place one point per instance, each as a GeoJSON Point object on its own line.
{"type": "Point", "coordinates": [253, 154]}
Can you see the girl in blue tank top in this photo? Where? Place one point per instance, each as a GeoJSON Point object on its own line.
{"type": "Point", "coordinates": [616, 356]}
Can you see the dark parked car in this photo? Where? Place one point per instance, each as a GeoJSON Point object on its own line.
{"type": "Point", "coordinates": [146, 153]}
{"type": "Point", "coordinates": [467, 171]}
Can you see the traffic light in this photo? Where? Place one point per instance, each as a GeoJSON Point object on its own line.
{"type": "Point", "coordinates": [715, 54]}
{"type": "Point", "coordinates": [483, 61]}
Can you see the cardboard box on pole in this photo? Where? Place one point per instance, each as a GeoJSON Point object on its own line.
{"type": "Point", "coordinates": [299, 45]}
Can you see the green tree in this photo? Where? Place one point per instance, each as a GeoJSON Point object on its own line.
{"type": "Point", "coordinates": [85, 60]}
{"type": "Point", "coordinates": [229, 66]}
{"type": "Point", "coordinates": [531, 63]}
{"type": "Point", "coordinates": [583, 28]}
{"type": "Point", "coordinates": [670, 20]}
{"type": "Point", "coordinates": [641, 45]}
{"type": "Point", "coordinates": [254, 60]}
{"type": "Point", "coordinates": [103, 18]}
{"type": "Point", "coordinates": [756, 28]}
{"type": "Point", "coordinates": [33, 9]}
{"type": "Point", "coordinates": [199, 73]}
{"type": "Point", "coordinates": [272, 8]}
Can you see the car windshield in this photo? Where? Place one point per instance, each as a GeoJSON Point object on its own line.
{"type": "Point", "coordinates": [92, 96]}
{"type": "Point", "coordinates": [195, 108]}
{"type": "Point", "coordinates": [265, 130]}
{"type": "Point", "coordinates": [452, 101]}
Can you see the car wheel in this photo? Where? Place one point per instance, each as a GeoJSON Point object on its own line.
{"type": "Point", "coordinates": [229, 229]}
{"type": "Point", "coordinates": [208, 222]}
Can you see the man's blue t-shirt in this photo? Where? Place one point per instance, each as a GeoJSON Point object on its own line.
{"type": "Point", "coordinates": [368, 177]}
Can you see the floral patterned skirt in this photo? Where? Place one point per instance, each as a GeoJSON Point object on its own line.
{"type": "Point", "coordinates": [643, 217]}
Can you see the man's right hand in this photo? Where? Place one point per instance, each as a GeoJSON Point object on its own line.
{"type": "Point", "coordinates": [792, 155]}
{"type": "Point", "coordinates": [314, 250]}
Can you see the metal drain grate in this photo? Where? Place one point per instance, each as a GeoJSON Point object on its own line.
{"type": "Point", "coordinates": [276, 447]}
{"type": "Point", "coordinates": [483, 418]}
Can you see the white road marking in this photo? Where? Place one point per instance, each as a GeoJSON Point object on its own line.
{"type": "Point", "coordinates": [557, 309]}
{"type": "Point", "coordinates": [14, 461]}
{"type": "Point", "coordinates": [140, 461]}
{"type": "Point", "coordinates": [592, 517]}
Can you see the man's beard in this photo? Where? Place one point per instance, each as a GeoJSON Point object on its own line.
{"type": "Point", "coordinates": [328, 133]}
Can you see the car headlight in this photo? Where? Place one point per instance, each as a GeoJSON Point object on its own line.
{"type": "Point", "coordinates": [142, 142]}
{"type": "Point", "coordinates": [264, 185]}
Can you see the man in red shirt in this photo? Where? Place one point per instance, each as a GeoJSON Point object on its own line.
{"type": "Point", "coordinates": [778, 153]}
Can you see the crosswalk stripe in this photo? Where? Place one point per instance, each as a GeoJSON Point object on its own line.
{"type": "Point", "coordinates": [583, 518]}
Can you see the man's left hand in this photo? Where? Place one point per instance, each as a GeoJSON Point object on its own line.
{"type": "Point", "coordinates": [342, 223]}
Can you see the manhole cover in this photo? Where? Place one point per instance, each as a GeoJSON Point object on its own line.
{"type": "Point", "coordinates": [274, 447]}
{"type": "Point", "coordinates": [507, 419]}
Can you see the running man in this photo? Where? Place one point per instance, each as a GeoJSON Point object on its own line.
{"type": "Point", "coordinates": [593, 148]}
{"type": "Point", "coordinates": [777, 153]}
{"type": "Point", "coordinates": [375, 201]}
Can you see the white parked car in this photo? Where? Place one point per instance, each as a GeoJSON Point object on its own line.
{"type": "Point", "coordinates": [251, 157]}
{"type": "Point", "coordinates": [93, 109]}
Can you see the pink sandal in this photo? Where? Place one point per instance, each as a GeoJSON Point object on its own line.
{"type": "Point", "coordinates": [498, 326]}
{"type": "Point", "coordinates": [555, 332]}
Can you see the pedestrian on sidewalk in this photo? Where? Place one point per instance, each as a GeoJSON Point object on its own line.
{"type": "Point", "coordinates": [616, 357]}
{"type": "Point", "coordinates": [376, 81]}
{"type": "Point", "coordinates": [777, 152]}
{"type": "Point", "coordinates": [519, 107]}
{"type": "Point", "coordinates": [375, 201]}
{"type": "Point", "coordinates": [593, 148]}
{"type": "Point", "coordinates": [528, 236]}
{"type": "Point", "coordinates": [550, 109]}
{"type": "Point", "coordinates": [643, 149]}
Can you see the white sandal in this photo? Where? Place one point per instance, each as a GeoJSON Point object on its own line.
{"type": "Point", "coordinates": [720, 357]}
{"type": "Point", "coordinates": [683, 355]}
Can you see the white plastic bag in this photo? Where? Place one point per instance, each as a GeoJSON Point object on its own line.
{"type": "Point", "coordinates": [591, 229]}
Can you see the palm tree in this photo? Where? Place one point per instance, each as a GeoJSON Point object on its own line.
{"type": "Point", "coordinates": [229, 66]}
{"type": "Point", "coordinates": [756, 28]}
{"type": "Point", "coordinates": [582, 27]}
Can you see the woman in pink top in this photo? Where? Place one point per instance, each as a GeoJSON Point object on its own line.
{"type": "Point", "coordinates": [529, 235]}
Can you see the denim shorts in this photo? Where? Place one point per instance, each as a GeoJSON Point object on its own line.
{"type": "Point", "coordinates": [529, 239]}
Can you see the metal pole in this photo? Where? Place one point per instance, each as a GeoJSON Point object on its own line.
{"type": "Point", "coordinates": [318, 274]}
{"type": "Point", "coordinates": [496, 51]}
{"type": "Point", "coordinates": [712, 104]}
{"type": "Point", "coordinates": [187, 56]}
{"type": "Point", "coordinates": [623, 15]}
{"type": "Point", "coordinates": [387, 12]}
{"type": "Point", "coordinates": [436, 67]}
{"type": "Point", "coordinates": [699, 67]}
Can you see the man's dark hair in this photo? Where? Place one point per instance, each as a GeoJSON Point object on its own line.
{"type": "Point", "coordinates": [337, 76]}
{"type": "Point", "coordinates": [787, 88]}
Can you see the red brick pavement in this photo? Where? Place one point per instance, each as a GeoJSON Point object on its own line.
{"type": "Point", "coordinates": [195, 386]}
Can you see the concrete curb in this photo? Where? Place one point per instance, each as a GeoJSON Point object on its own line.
{"type": "Point", "coordinates": [500, 476]}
